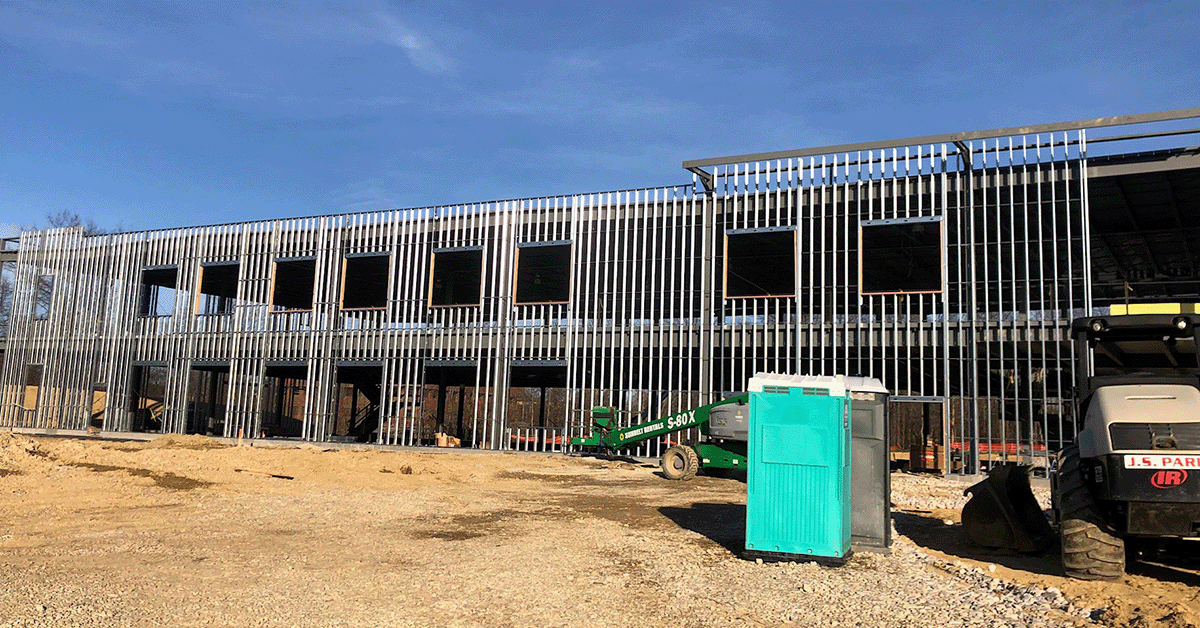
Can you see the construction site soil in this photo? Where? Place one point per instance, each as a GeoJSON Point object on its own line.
{"type": "Point", "coordinates": [188, 531]}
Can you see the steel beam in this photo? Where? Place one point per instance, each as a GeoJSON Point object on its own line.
{"type": "Point", "coordinates": [1092, 123]}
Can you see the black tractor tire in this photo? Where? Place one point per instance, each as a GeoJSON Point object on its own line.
{"type": "Point", "coordinates": [680, 462]}
{"type": "Point", "coordinates": [1089, 552]}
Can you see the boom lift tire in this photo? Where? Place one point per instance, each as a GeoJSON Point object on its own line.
{"type": "Point", "coordinates": [1088, 551]}
{"type": "Point", "coordinates": [693, 462]}
{"type": "Point", "coordinates": [680, 462]}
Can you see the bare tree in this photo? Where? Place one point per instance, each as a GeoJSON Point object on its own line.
{"type": "Point", "coordinates": [64, 218]}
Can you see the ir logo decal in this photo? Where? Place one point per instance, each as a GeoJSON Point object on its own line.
{"type": "Point", "coordinates": [1168, 478]}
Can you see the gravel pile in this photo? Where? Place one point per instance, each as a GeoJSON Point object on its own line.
{"type": "Point", "coordinates": [905, 588]}
{"type": "Point", "coordinates": [1025, 604]}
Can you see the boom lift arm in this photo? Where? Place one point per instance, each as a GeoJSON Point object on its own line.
{"type": "Point", "coordinates": [678, 462]}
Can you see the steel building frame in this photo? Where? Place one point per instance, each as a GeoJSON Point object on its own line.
{"type": "Point", "coordinates": [647, 326]}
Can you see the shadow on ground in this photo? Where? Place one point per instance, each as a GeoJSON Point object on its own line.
{"type": "Point", "coordinates": [932, 533]}
{"type": "Point", "coordinates": [1169, 562]}
{"type": "Point", "coordinates": [720, 474]}
{"type": "Point", "coordinates": [723, 524]}
{"type": "Point", "coordinates": [607, 457]}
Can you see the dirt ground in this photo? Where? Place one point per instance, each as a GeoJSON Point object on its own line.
{"type": "Point", "coordinates": [186, 531]}
{"type": "Point", "coordinates": [1161, 588]}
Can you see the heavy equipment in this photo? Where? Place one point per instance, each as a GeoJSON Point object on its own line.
{"type": "Point", "coordinates": [725, 428]}
{"type": "Point", "coordinates": [1132, 475]}
{"type": "Point", "coordinates": [724, 425]}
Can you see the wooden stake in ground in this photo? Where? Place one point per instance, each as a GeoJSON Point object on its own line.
{"type": "Point", "coordinates": [265, 473]}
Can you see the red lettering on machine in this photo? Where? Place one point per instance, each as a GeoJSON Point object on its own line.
{"type": "Point", "coordinates": [1161, 462]}
{"type": "Point", "coordinates": [1168, 479]}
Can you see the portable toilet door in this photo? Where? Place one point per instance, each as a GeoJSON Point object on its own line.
{"type": "Point", "coordinates": [870, 467]}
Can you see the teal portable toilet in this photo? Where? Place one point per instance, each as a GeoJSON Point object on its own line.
{"type": "Point", "coordinates": [798, 479]}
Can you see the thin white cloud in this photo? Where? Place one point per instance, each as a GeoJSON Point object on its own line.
{"type": "Point", "coordinates": [9, 230]}
{"type": "Point", "coordinates": [419, 48]}
{"type": "Point", "coordinates": [149, 56]}
{"type": "Point", "coordinates": [355, 24]}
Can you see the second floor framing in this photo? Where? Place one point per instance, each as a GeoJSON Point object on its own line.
{"type": "Point", "coordinates": [1019, 234]}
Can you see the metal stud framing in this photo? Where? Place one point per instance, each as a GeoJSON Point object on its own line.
{"type": "Point", "coordinates": [625, 335]}
{"type": "Point", "coordinates": [646, 327]}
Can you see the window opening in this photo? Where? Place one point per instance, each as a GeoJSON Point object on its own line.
{"type": "Point", "coordinates": [158, 291]}
{"type": "Point", "coordinates": [543, 273]}
{"type": "Point", "coordinates": [760, 263]}
{"type": "Point", "coordinates": [218, 289]}
{"type": "Point", "coordinates": [365, 282]}
{"type": "Point", "coordinates": [900, 256]}
{"type": "Point", "coordinates": [285, 388]}
{"type": "Point", "coordinates": [33, 385]}
{"type": "Point", "coordinates": [208, 388]}
{"type": "Point", "coordinates": [147, 399]}
{"type": "Point", "coordinates": [45, 293]}
{"type": "Point", "coordinates": [457, 277]}
{"type": "Point", "coordinates": [357, 412]}
{"type": "Point", "coordinates": [293, 287]}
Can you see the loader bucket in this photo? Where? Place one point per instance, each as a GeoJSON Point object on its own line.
{"type": "Point", "coordinates": [1003, 512]}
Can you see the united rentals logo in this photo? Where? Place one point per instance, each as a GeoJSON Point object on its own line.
{"type": "Point", "coordinates": [1168, 478]}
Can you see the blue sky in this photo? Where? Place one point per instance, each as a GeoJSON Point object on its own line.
{"type": "Point", "coordinates": [161, 114]}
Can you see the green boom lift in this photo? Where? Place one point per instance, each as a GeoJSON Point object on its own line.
{"type": "Point", "coordinates": [724, 425]}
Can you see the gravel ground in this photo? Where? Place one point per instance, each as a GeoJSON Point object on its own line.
{"type": "Point", "coordinates": [96, 533]}
{"type": "Point", "coordinates": [914, 491]}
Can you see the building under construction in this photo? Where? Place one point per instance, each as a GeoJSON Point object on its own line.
{"type": "Point", "coordinates": [947, 266]}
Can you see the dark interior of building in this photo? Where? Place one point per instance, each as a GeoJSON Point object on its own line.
{"type": "Point", "coordinates": [358, 396]}
{"type": "Point", "coordinates": [1145, 224]}
{"type": "Point", "coordinates": [544, 274]}
{"type": "Point", "coordinates": [208, 389]}
{"type": "Point", "coordinates": [218, 288]}
{"type": "Point", "coordinates": [457, 276]}
{"type": "Point", "coordinates": [293, 284]}
{"type": "Point", "coordinates": [285, 387]}
{"type": "Point", "coordinates": [449, 401]}
{"type": "Point", "coordinates": [760, 263]}
{"type": "Point", "coordinates": [365, 282]}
